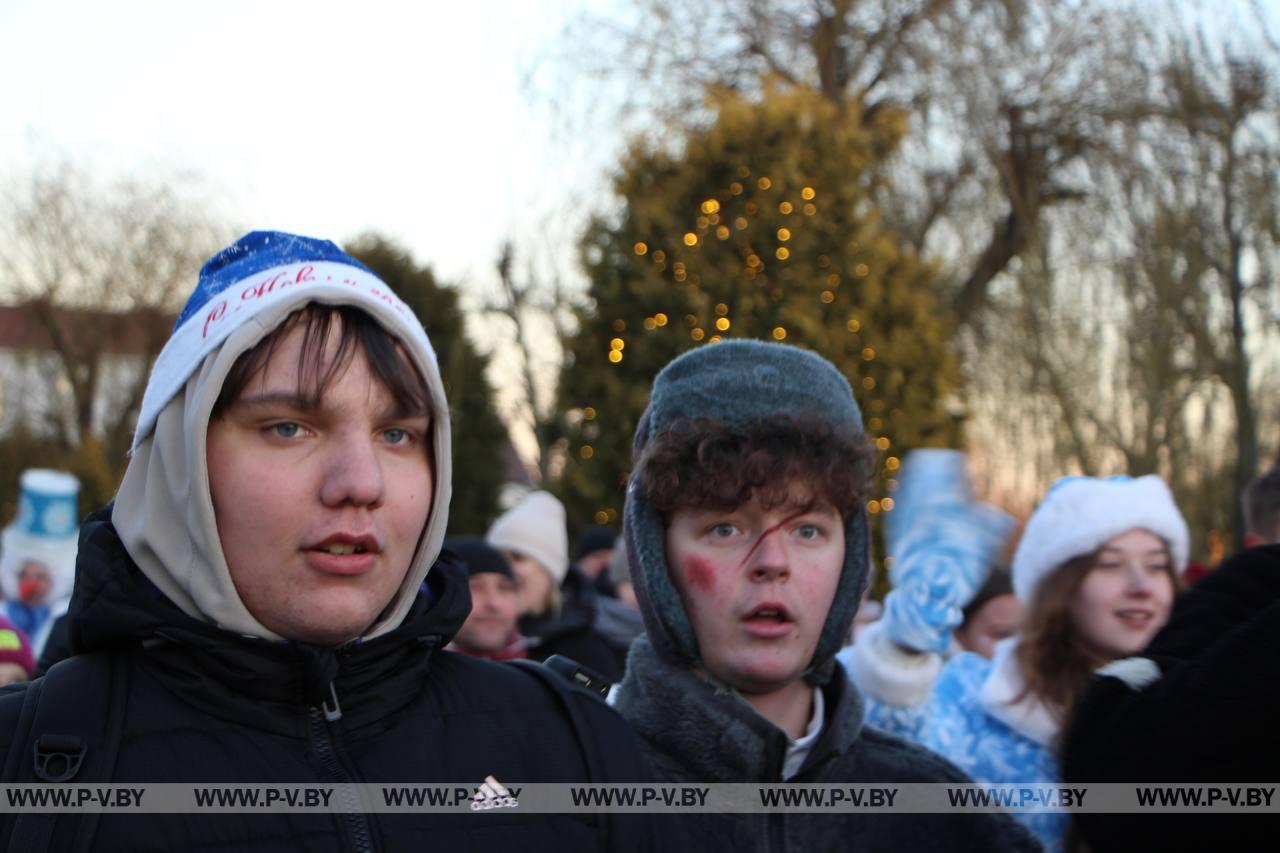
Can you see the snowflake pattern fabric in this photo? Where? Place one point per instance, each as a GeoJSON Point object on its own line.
{"type": "Point", "coordinates": [953, 723]}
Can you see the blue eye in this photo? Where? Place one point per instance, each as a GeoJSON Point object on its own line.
{"type": "Point", "coordinates": [396, 435]}
{"type": "Point", "coordinates": [287, 429]}
{"type": "Point", "coordinates": [723, 530]}
{"type": "Point", "coordinates": [808, 531]}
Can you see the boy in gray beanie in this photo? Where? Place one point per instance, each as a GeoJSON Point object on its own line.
{"type": "Point", "coordinates": [748, 545]}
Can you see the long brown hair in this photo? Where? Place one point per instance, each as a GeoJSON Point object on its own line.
{"type": "Point", "coordinates": [1054, 666]}
{"type": "Point", "coordinates": [1054, 663]}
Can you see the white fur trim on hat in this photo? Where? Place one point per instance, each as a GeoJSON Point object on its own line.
{"type": "Point", "coordinates": [1081, 514]}
{"type": "Point", "coordinates": [535, 527]}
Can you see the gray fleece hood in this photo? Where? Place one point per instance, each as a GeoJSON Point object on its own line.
{"type": "Point", "coordinates": [164, 510]}
{"type": "Point", "coordinates": [737, 382]}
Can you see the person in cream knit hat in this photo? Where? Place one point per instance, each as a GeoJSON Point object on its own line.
{"type": "Point", "coordinates": [560, 611]}
{"type": "Point", "coordinates": [533, 536]}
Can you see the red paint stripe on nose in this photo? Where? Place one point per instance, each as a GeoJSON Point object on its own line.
{"type": "Point", "coordinates": [766, 534]}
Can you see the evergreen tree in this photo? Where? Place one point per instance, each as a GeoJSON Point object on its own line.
{"type": "Point", "coordinates": [479, 435]}
{"type": "Point", "coordinates": [760, 225]}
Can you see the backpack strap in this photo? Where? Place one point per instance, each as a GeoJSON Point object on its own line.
{"type": "Point", "coordinates": [21, 736]}
{"type": "Point", "coordinates": [558, 681]}
{"type": "Point", "coordinates": [559, 685]}
{"type": "Point", "coordinates": [69, 729]}
{"type": "Point", "coordinates": [572, 671]}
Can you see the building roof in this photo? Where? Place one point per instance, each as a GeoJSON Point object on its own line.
{"type": "Point", "coordinates": [124, 334]}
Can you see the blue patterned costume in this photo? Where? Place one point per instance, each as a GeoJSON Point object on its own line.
{"type": "Point", "coordinates": [942, 543]}
{"type": "Point", "coordinates": [954, 722]}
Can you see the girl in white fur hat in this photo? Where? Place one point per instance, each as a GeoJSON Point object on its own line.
{"type": "Point", "coordinates": [1096, 570]}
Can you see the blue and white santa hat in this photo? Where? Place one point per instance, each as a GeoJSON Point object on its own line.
{"type": "Point", "coordinates": [163, 511]}
{"type": "Point", "coordinates": [930, 478]}
{"type": "Point", "coordinates": [45, 530]}
{"type": "Point", "coordinates": [1081, 514]}
{"type": "Point", "coordinates": [943, 543]}
{"type": "Point", "coordinates": [249, 277]}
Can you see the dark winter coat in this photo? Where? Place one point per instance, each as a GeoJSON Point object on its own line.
{"type": "Point", "coordinates": [586, 629]}
{"type": "Point", "coordinates": [694, 734]}
{"type": "Point", "coordinates": [1201, 704]}
{"type": "Point", "coordinates": [208, 706]}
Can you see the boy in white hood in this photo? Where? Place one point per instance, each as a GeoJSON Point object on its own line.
{"type": "Point", "coordinates": [252, 607]}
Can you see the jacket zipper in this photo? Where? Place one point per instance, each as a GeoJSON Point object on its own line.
{"type": "Point", "coordinates": [323, 742]}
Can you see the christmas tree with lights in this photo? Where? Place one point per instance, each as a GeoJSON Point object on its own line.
{"type": "Point", "coordinates": [760, 225]}
{"type": "Point", "coordinates": [478, 433]}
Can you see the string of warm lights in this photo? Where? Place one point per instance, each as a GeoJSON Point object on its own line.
{"type": "Point", "coordinates": [710, 210]}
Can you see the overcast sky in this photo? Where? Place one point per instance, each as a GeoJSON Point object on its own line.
{"type": "Point", "coordinates": [321, 117]}
{"type": "Point", "coordinates": [329, 119]}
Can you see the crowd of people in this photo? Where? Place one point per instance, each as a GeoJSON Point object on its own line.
{"type": "Point", "coordinates": [271, 598]}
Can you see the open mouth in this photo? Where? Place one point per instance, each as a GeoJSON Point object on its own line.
{"type": "Point", "coordinates": [769, 621]}
{"type": "Point", "coordinates": [770, 614]}
{"type": "Point", "coordinates": [343, 549]}
{"type": "Point", "coordinates": [1135, 618]}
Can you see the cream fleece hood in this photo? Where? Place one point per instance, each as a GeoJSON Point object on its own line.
{"type": "Point", "coordinates": [164, 509]}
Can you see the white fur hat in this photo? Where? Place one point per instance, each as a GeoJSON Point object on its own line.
{"type": "Point", "coordinates": [535, 527]}
{"type": "Point", "coordinates": [1081, 514]}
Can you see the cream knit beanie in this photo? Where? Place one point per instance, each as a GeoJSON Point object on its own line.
{"type": "Point", "coordinates": [535, 527]}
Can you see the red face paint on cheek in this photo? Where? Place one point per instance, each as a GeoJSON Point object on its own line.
{"type": "Point", "coordinates": [701, 573]}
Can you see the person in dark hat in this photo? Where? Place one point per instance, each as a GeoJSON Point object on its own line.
{"type": "Point", "coordinates": [1261, 505]}
{"type": "Point", "coordinates": [747, 533]}
{"type": "Point", "coordinates": [991, 616]}
{"type": "Point", "coordinates": [490, 630]}
{"type": "Point", "coordinates": [591, 554]}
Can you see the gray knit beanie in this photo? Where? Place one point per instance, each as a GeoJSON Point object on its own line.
{"type": "Point", "coordinates": [738, 382]}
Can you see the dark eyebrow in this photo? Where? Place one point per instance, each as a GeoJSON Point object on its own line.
{"type": "Point", "coordinates": [313, 403]}
{"type": "Point", "coordinates": [288, 399]}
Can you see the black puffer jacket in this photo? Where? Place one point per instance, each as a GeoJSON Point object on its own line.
{"type": "Point", "coordinates": [207, 706]}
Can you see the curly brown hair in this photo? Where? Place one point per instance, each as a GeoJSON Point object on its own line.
{"type": "Point", "coordinates": [705, 463]}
